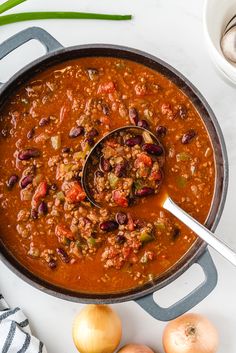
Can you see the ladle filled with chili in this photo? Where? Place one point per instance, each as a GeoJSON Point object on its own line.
{"type": "Point", "coordinates": [125, 166]}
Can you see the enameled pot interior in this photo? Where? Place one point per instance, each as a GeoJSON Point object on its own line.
{"type": "Point", "coordinates": [220, 158]}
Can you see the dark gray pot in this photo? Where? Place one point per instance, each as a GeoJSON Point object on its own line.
{"type": "Point", "coordinates": [198, 253]}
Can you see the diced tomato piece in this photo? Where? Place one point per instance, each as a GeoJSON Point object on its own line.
{"type": "Point", "coordinates": [130, 222]}
{"type": "Point", "coordinates": [119, 199]}
{"type": "Point", "coordinates": [75, 193]}
{"type": "Point", "coordinates": [143, 158]}
{"type": "Point", "coordinates": [106, 87]}
{"type": "Point", "coordinates": [63, 232]}
{"type": "Point", "coordinates": [40, 192]}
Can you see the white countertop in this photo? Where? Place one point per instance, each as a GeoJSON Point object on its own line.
{"type": "Point", "coordinates": [171, 30]}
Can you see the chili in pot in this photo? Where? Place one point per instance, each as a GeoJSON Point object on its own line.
{"type": "Point", "coordinates": [47, 129]}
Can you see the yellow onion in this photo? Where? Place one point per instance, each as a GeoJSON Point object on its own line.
{"type": "Point", "coordinates": [97, 329]}
{"type": "Point", "coordinates": [135, 348]}
{"type": "Point", "coordinates": [190, 333]}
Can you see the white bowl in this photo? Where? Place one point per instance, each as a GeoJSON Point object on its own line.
{"type": "Point", "coordinates": [217, 14]}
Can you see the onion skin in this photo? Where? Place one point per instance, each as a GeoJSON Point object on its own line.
{"type": "Point", "coordinates": [135, 348]}
{"type": "Point", "coordinates": [190, 333]}
{"type": "Point", "coordinates": [97, 329]}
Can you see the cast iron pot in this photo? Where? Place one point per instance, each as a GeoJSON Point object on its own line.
{"type": "Point", "coordinates": [198, 253]}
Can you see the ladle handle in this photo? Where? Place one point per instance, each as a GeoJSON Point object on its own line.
{"type": "Point", "coordinates": [200, 230]}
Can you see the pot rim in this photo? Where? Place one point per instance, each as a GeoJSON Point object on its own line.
{"type": "Point", "coordinates": [221, 161]}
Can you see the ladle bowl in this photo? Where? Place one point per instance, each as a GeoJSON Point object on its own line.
{"type": "Point", "coordinates": [96, 152]}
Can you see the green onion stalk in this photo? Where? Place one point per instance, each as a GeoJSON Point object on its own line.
{"type": "Point", "coordinates": [9, 5]}
{"type": "Point", "coordinates": [29, 16]}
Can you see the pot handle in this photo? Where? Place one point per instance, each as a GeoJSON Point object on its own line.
{"type": "Point", "coordinates": [50, 43]}
{"type": "Point", "coordinates": [190, 300]}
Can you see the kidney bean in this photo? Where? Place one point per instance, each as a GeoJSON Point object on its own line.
{"type": "Point", "coordinates": [26, 181]}
{"type": "Point", "coordinates": [105, 165]}
{"type": "Point", "coordinates": [188, 136]}
{"type": "Point", "coordinates": [63, 255]}
{"type": "Point", "coordinates": [44, 121]}
{"type": "Point", "coordinates": [151, 148]}
{"type": "Point", "coordinates": [143, 123]}
{"type": "Point", "coordinates": [133, 116]}
{"type": "Point", "coordinates": [121, 218]}
{"type": "Point", "coordinates": [43, 208]}
{"type": "Point", "coordinates": [120, 170]}
{"type": "Point", "coordinates": [120, 239]}
{"type": "Point", "coordinates": [92, 133]}
{"type": "Point", "coordinates": [28, 153]}
{"type": "Point", "coordinates": [30, 134]}
{"type": "Point", "coordinates": [161, 131]}
{"type": "Point", "coordinates": [65, 150]}
{"type": "Point", "coordinates": [76, 131]}
{"type": "Point", "coordinates": [12, 181]}
{"type": "Point", "coordinates": [109, 226]}
{"type": "Point", "coordinates": [52, 264]}
{"type": "Point", "coordinates": [105, 109]}
{"type": "Point", "coordinates": [132, 141]}
{"type": "Point", "coordinates": [145, 191]}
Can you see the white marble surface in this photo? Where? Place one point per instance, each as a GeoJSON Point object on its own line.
{"type": "Point", "coordinates": [173, 31]}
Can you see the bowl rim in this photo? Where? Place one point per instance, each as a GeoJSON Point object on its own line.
{"type": "Point", "coordinates": [182, 265]}
{"type": "Point", "coordinates": [218, 57]}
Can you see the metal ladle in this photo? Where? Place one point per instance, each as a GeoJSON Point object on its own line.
{"type": "Point", "coordinates": [168, 204]}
